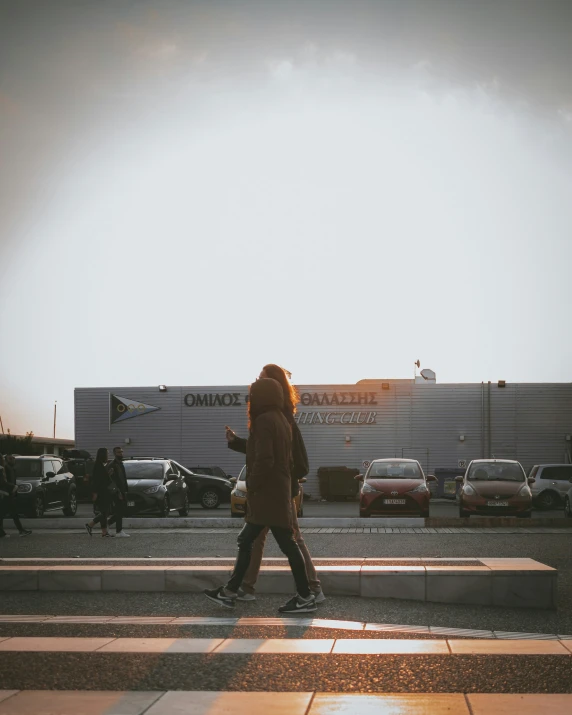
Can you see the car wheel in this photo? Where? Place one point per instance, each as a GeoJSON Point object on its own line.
{"type": "Point", "coordinates": [425, 514]}
{"type": "Point", "coordinates": [209, 499]}
{"type": "Point", "coordinates": [71, 507]}
{"type": "Point", "coordinates": [165, 507]}
{"type": "Point", "coordinates": [463, 514]}
{"type": "Point", "coordinates": [185, 510]}
{"type": "Point", "coordinates": [39, 507]}
{"type": "Point", "coordinates": [567, 509]}
{"type": "Point", "coordinates": [547, 500]}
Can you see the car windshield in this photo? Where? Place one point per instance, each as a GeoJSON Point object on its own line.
{"type": "Point", "coordinates": [144, 470]}
{"type": "Point", "coordinates": [495, 472]}
{"type": "Point", "coordinates": [242, 475]}
{"type": "Point", "coordinates": [394, 470]}
{"type": "Point", "coordinates": [202, 470]}
{"type": "Point", "coordinates": [28, 469]}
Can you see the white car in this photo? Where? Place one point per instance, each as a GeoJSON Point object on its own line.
{"type": "Point", "coordinates": [552, 484]}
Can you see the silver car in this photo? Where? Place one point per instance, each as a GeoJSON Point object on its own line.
{"type": "Point", "coordinates": [552, 484]}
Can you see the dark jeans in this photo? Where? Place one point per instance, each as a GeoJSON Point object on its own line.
{"type": "Point", "coordinates": [288, 546]}
{"type": "Point", "coordinates": [8, 508]}
{"type": "Point", "coordinates": [119, 506]}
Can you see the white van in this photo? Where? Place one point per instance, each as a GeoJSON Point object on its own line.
{"type": "Point", "coordinates": [551, 485]}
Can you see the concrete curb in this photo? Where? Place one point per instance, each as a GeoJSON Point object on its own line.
{"type": "Point", "coordinates": [309, 522]}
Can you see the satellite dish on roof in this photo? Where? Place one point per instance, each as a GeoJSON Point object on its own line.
{"type": "Point", "coordinates": [427, 374]}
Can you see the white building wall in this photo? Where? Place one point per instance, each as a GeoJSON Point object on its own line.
{"type": "Point", "coordinates": [528, 422]}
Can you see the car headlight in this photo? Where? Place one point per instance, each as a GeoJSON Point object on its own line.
{"type": "Point", "coordinates": [24, 488]}
{"type": "Point", "coordinates": [468, 490]}
{"type": "Point", "coordinates": [153, 490]}
{"type": "Point", "coordinates": [368, 489]}
{"type": "Point", "coordinates": [524, 491]}
{"type": "Point", "coordinates": [421, 489]}
{"type": "Point", "coordinates": [239, 494]}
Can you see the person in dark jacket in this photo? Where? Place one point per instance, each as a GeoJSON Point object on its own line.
{"type": "Point", "coordinates": [119, 478]}
{"type": "Point", "coordinates": [8, 492]}
{"type": "Point", "coordinates": [269, 502]}
{"type": "Point", "coordinates": [103, 488]}
{"type": "Point", "coordinates": [300, 467]}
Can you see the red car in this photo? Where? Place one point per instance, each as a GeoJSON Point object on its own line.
{"type": "Point", "coordinates": [496, 487]}
{"type": "Point", "coordinates": [395, 487]}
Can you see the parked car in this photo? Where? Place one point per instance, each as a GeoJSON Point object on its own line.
{"type": "Point", "coordinates": [551, 485]}
{"type": "Point", "coordinates": [211, 471]}
{"type": "Point", "coordinates": [394, 487]}
{"type": "Point", "coordinates": [238, 497]}
{"type": "Point", "coordinates": [45, 484]}
{"type": "Point", "coordinates": [568, 503]}
{"type": "Point", "coordinates": [155, 486]}
{"type": "Point", "coordinates": [210, 491]}
{"type": "Point", "coordinates": [496, 487]}
{"type": "Point", "coordinates": [80, 464]}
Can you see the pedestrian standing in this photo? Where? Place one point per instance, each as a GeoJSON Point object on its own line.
{"type": "Point", "coordinates": [103, 492]}
{"type": "Point", "coordinates": [269, 501]}
{"type": "Point", "coordinates": [300, 468]}
{"type": "Point", "coordinates": [8, 498]}
{"type": "Point", "coordinates": [119, 478]}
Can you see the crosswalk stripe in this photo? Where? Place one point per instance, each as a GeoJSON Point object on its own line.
{"type": "Point", "coordinates": [353, 646]}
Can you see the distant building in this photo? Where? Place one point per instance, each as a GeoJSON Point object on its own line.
{"type": "Point", "coordinates": [43, 445]}
{"type": "Point", "coordinates": [444, 425]}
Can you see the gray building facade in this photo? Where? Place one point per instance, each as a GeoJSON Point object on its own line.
{"type": "Point", "coordinates": [442, 425]}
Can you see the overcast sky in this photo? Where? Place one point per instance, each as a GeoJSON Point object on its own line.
{"type": "Point", "coordinates": [189, 190]}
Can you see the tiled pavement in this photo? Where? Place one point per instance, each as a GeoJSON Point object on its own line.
{"type": "Point", "coordinates": [305, 623]}
{"type": "Point", "coordinates": [307, 703]}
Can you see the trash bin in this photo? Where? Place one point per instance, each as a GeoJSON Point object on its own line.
{"type": "Point", "coordinates": [338, 483]}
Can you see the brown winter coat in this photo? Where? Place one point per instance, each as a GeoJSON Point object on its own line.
{"type": "Point", "coordinates": [268, 457]}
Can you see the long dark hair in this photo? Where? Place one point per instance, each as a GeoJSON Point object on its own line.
{"type": "Point", "coordinates": [291, 396]}
{"type": "Point", "coordinates": [102, 455]}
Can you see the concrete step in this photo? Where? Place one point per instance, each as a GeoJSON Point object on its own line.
{"type": "Point", "coordinates": [497, 582]}
{"type": "Point", "coordinates": [182, 702]}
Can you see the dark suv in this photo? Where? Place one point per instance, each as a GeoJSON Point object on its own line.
{"type": "Point", "coordinates": [45, 484]}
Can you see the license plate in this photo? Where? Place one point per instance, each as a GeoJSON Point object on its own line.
{"type": "Point", "coordinates": [130, 503]}
{"type": "Point", "coordinates": [497, 503]}
{"type": "Point", "coordinates": [394, 501]}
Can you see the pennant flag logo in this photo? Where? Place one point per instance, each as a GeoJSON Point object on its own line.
{"type": "Point", "coordinates": [122, 408]}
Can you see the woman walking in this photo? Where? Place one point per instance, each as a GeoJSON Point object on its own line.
{"type": "Point", "coordinates": [300, 468]}
{"type": "Point", "coordinates": [102, 491]}
{"type": "Point", "coordinates": [268, 458]}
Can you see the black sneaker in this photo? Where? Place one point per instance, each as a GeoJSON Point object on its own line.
{"type": "Point", "coordinates": [297, 604]}
{"type": "Point", "coordinates": [89, 529]}
{"type": "Point", "coordinates": [218, 596]}
{"type": "Point", "coordinates": [25, 532]}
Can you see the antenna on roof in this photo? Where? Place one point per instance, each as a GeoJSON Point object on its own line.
{"type": "Point", "coordinates": [416, 364]}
